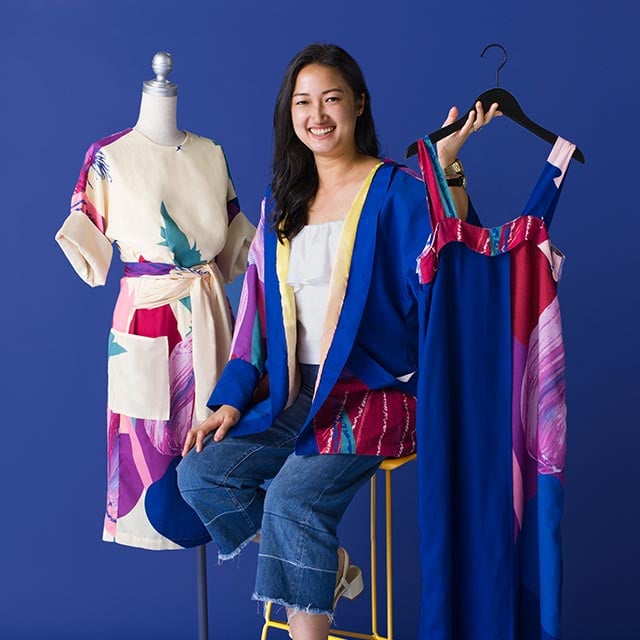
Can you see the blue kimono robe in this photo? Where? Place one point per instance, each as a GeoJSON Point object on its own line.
{"type": "Point", "coordinates": [370, 325]}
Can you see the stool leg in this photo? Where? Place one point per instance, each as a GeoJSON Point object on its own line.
{"type": "Point", "coordinates": [374, 561]}
{"type": "Point", "coordinates": [267, 620]}
{"type": "Point", "coordinates": [389, 558]}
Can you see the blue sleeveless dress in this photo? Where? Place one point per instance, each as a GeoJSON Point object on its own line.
{"type": "Point", "coordinates": [491, 420]}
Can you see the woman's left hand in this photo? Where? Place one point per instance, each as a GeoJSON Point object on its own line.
{"type": "Point", "coordinates": [449, 147]}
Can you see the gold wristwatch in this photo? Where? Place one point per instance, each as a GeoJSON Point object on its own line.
{"type": "Point", "coordinates": [454, 169]}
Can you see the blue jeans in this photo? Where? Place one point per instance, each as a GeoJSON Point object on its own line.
{"type": "Point", "coordinates": [297, 515]}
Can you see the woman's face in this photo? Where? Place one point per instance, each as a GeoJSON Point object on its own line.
{"type": "Point", "coordinates": [324, 111]}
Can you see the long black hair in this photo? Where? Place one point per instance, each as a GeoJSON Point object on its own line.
{"type": "Point", "coordinates": [295, 178]}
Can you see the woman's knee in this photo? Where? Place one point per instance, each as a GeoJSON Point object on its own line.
{"type": "Point", "coordinates": [298, 505]}
{"type": "Point", "coordinates": [285, 498]}
{"type": "Point", "coordinates": [197, 470]}
{"type": "Point", "coordinates": [189, 476]}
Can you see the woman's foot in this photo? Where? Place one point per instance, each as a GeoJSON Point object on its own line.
{"type": "Point", "coordinates": [349, 584]}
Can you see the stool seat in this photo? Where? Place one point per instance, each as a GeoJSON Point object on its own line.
{"type": "Point", "coordinates": [390, 464]}
{"type": "Point", "coordinates": [387, 466]}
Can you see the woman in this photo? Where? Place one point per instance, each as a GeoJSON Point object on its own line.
{"type": "Point", "coordinates": [327, 321]}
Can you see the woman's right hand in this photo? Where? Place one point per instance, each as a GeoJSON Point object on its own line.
{"type": "Point", "coordinates": [219, 421]}
{"type": "Point", "coordinates": [449, 147]}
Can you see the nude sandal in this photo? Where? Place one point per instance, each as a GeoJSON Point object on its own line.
{"type": "Point", "coordinates": [350, 585]}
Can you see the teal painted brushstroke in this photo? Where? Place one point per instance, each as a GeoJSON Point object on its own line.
{"type": "Point", "coordinates": [177, 241]}
{"type": "Point", "coordinates": [186, 302]}
{"type": "Point", "coordinates": [348, 444]}
{"type": "Point", "coordinates": [256, 345]}
{"type": "Point", "coordinates": [115, 349]}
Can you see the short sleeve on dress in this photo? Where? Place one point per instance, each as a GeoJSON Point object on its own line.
{"type": "Point", "coordinates": [88, 251]}
{"type": "Point", "coordinates": [232, 260]}
{"type": "Point", "coordinates": [81, 236]}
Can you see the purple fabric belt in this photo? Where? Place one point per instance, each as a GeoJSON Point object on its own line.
{"type": "Point", "coordinates": [137, 269]}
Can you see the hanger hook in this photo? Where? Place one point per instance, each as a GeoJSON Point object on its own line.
{"type": "Point", "coordinates": [495, 44]}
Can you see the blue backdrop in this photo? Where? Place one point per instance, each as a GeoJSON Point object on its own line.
{"type": "Point", "coordinates": [71, 72]}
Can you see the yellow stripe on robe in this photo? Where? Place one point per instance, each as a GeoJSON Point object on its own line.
{"type": "Point", "coordinates": [337, 287]}
{"type": "Point", "coordinates": [341, 268]}
{"type": "Point", "coordinates": [289, 315]}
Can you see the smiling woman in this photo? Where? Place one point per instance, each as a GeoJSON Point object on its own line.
{"type": "Point", "coordinates": [323, 87]}
{"type": "Point", "coordinates": [324, 111]}
{"type": "Point", "coordinates": [323, 321]}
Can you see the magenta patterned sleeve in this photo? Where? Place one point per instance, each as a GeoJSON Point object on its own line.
{"type": "Point", "coordinates": [249, 338]}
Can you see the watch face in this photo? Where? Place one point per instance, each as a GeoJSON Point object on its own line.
{"type": "Point", "coordinates": [454, 168]}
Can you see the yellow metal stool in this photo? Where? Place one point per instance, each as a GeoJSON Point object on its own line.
{"type": "Point", "coordinates": [389, 465]}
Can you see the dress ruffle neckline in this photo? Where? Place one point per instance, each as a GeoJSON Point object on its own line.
{"type": "Point", "coordinates": [312, 254]}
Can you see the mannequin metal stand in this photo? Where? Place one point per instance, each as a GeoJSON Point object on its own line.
{"type": "Point", "coordinates": [157, 121]}
{"type": "Point", "coordinates": [203, 611]}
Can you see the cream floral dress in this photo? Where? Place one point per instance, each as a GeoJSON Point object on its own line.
{"type": "Point", "coordinates": [173, 215]}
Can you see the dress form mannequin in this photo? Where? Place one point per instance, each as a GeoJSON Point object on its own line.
{"type": "Point", "coordinates": [164, 201]}
{"type": "Point", "coordinates": [158, 106]}
{"type": "Point", "coordinates": [157, 121]}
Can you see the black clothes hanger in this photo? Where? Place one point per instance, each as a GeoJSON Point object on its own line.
{"type": "Point", "coordinates": [507, 104]}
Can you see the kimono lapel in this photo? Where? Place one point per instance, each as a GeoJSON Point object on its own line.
{"type": "Point", "coordinates": [280, 331]}
{"type": "Point", "coordinates": [289, 317]}
{"type": "Point", "coordinates": [353, 263]}
{"type": "Point", "coordinates": [341, 268]}
{"type": "Point", "coordinates": [356, 238]}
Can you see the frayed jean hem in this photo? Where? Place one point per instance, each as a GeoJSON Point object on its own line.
{"type": "Point", "coordinates": [296, 607]}
{"type": "Point", "coordinates": [229, 556]}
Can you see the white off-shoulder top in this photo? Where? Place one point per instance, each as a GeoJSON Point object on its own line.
{"type": "Point", "coordinates": [313, 252]}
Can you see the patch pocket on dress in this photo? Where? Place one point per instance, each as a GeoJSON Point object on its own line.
{"type": "Point", "coordinates": [138, 376]}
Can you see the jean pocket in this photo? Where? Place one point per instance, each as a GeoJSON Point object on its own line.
{"type": "Point", "coordinates": [139, 376]}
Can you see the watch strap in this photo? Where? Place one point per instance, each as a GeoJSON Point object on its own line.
{"type": "Point", "coordinates": [459, 181]}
